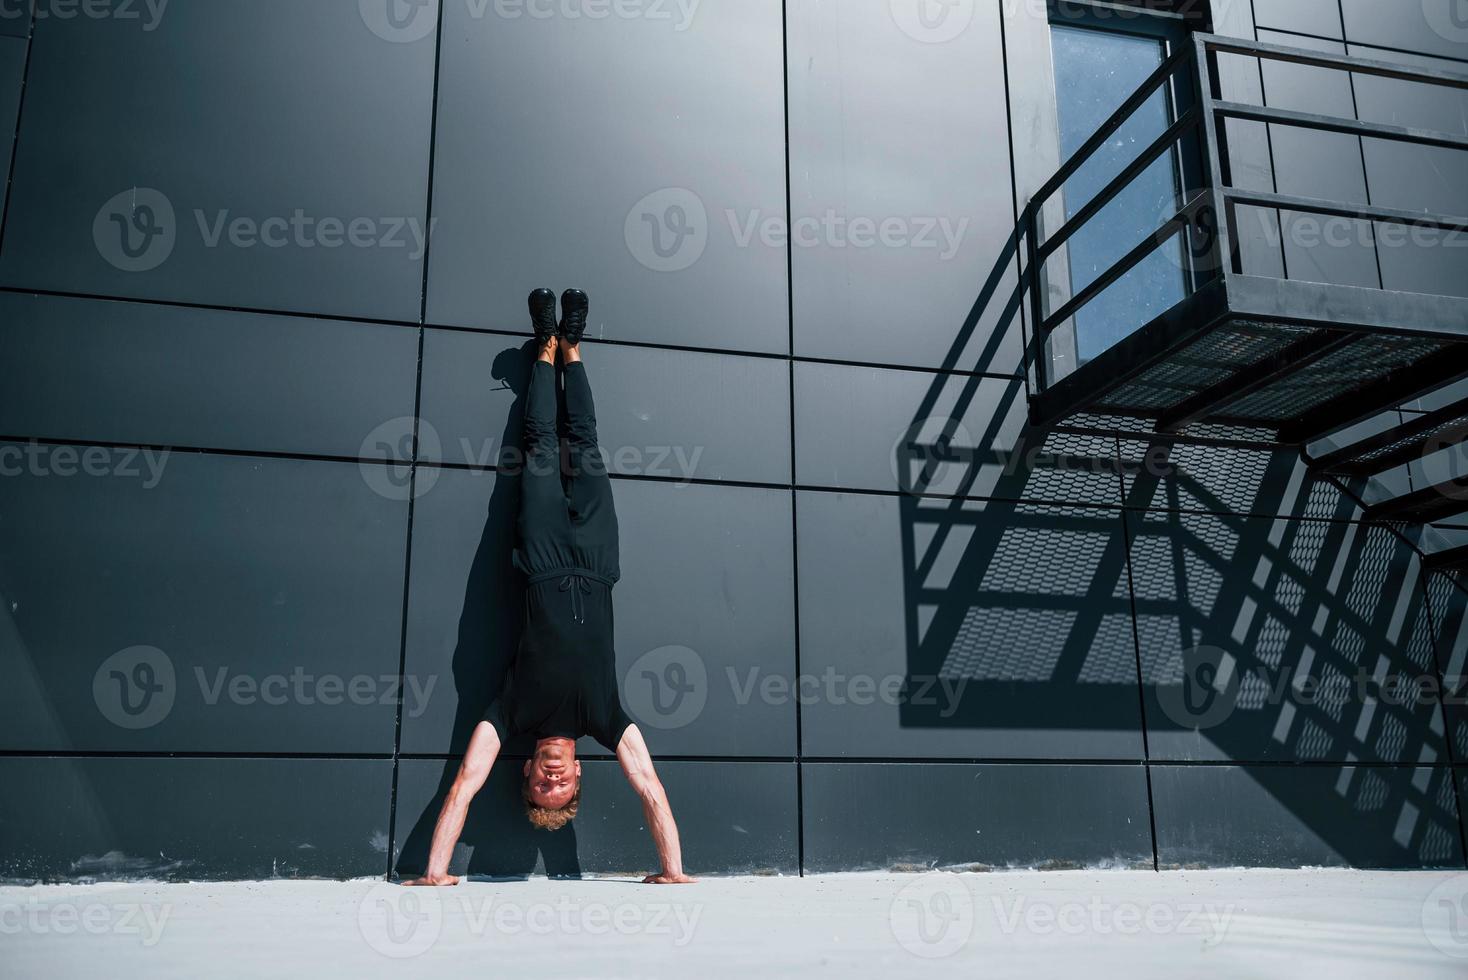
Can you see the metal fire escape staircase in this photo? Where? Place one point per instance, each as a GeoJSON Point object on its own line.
{"type": "Point", "coordinates": [1325, 368]}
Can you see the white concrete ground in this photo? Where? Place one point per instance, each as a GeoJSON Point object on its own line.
{"type": "Point", "coordinates": [1311, 924]}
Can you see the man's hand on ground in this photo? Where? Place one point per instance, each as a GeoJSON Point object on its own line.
{"type": "Point", "coordinates": [667, 879]}
{"type": "Point", "coordinates": [434, 880]}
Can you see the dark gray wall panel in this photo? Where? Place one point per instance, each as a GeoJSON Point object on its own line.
{"type": "Point", "coordinates": [1249, 152]}
{"type": "Point", "coordinates": [1403, 103]}
{"type": "Point", "coordinates": [1321, 18]}
{"type": "Point", "coordinates": [913, 431]}
{"type": "Point", "coordinates": [12, 70]}
{"type": "Point", "coordinates": [1320, 165]}
{"type": "Point", "coordinates": [935, 630]}
{"type": "Point", "coordinates": [708, 576]}
{"type": "Point", "coordinates": [1426, 27]}
{"type": "Point", "coordinates": [1450, 626]}
{"type": "Point", "coordinates": [870, 144]}
{"type": "Point", "coordinates": [193, 819]}
{"type": "Point", "coordinates": [15, 18]}
{"type": "Point", "coordinates": [1417, 177]}
{"type": "Point", "coordinates": [874, 816]}
{"type": "Point", "coordinates": [1423, 260]}
{"type": "Point", "coordinates": [142, 373]}
{"type": "Point", "coordinates": [284, 106]}
{"type": "Point", "coordinates": [707, 579]}
{"type": "Point", "coordinates": [678, 415]}
{"type": "Point", "coordinates": [733, 818]}
{"type": "Point", "coordinates": [1259, 639]}
{"type": "Point", "coordinates": [233, 575]}
{"type": "Point", "coordinates": [1294, 816]}
{"type": "Point", "coordinates": [639, 126]}
{"type": "Point", "coordinates": [1460, 776]}
{"type": "Point", "coordinates": [466, 604]}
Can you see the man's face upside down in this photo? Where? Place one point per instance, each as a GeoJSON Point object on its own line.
{"type": "Point", "coordinates": [552, 789]}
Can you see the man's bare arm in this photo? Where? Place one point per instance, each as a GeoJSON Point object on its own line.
{"type": "Point", "coordinates": [637, 764]}
{"type": "Point", "coordinates": [484, 748]}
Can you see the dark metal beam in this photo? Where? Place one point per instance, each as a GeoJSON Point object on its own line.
{"type": "Point", "coordinates": [1312, 205]}
{"type": "Point", "coordinates": [1386, 393]}
{"type": "Point", "coordinates": [1425, 506]}
{"type": "Point", "coordinates": [1318, 59]}
{"type": "Point", "coordinates": [1314, 304]}
{"type": "Point", "coordinates": [1338, 124]}
{"type": "Point", "coordinates": [1448, 560]}
{"type": "Point", "coordinates": [1406, 442]}
{"type": "Point", "coordinates": [1260, 374]}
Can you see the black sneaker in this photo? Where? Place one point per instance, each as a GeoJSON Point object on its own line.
{"type": "Point", "coordinates": [543, 315]}
{"type": "Point", "coordinates": [574, 306]}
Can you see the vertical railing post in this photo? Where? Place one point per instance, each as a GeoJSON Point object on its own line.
{"type": "Point", "coordinates": [1221, 256]}
{"type": "Point", "coordinates": [1036, 279]}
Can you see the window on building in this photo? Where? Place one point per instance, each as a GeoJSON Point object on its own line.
{"type": "Point", "coordinates": [1101, 57]}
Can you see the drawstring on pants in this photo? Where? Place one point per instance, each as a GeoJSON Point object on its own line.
{"type": "Point", "coordinates": [576, 584]}
{"type": "Point", "coordinates": [575, 580]}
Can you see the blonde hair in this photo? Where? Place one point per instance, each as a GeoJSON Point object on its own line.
{"type": "Point", "coordinates": [544, 818]}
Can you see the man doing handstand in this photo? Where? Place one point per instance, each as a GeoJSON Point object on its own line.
{"type": "Point", "coordinates": [563, 682]}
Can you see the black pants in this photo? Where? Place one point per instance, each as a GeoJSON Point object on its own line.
{"type": "Point", "coordinates": [567, 527]}
{"type": "Point", "coordinates": [563, 681]}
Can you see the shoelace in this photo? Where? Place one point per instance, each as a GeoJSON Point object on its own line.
{"type": "Point", "coordinates": [577, 585]}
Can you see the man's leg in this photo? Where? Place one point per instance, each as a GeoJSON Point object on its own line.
{"type": "Point", "coordinates": [484, 747]}
{"type": "Point", "coordinates": [542, 498]}
{"type": "Point", "coordinates": [590, 487]}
